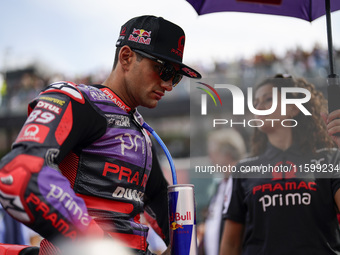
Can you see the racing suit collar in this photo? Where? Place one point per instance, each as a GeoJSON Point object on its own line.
{"type": "Point", "coordinates": [116, 99]}
{"type": "Point", "coordinates": [120, 103]}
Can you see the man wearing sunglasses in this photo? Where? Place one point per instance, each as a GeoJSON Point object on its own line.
{"type": "Point", "coordinates": [82, 163]}
{"type": "Point", "coordinates": [155, 50]}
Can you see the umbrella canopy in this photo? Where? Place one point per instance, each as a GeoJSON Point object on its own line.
{"type": "Point", "coordinates": [303, 9]}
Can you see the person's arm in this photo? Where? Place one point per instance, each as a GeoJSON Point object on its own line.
{"type": "Point", "coordinates": [32, 189]}
{"type": "Point", "coordinates": [231, 242]}
{"type": "Point", "coordinates": [332, 121]}
{"type": "Point", "coordinates": [335, 179]}
{"type": "Point", "coordinates": [337, 199]}
{"type": "Point", "coordinates": [234, 216]}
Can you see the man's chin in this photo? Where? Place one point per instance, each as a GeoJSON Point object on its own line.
{"type": "Point", "coordinates": [151, 105]}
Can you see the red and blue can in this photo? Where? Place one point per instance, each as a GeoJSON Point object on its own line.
{"type": "Point", "coordinates": [182, 217]}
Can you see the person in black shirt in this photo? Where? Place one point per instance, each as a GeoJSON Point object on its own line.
{"type": "Point", "coordinates": [285, 197]}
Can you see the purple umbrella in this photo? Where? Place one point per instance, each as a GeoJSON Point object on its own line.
{"type": "Point", "coordinates": [304, 9]}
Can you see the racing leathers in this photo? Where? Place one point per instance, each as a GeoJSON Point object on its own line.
{"type": "Point", "coordinates": [285, 199]}
{"type": "Point", "coordinates": [82, 163]}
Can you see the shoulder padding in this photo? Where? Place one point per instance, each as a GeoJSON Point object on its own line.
{"type": "Point", "coordinates": [66, 87]}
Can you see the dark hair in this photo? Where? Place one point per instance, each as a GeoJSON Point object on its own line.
{"type": "Point", "coordinates": [115, 62]}
{"type": "Point", "coordinates": [310, 134]}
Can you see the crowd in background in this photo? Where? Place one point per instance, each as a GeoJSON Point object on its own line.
{"type": "Point", "coordinates": [23, 85]}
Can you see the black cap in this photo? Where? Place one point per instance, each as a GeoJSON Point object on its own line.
{"type": "Point", "coordinates": [158, 37]}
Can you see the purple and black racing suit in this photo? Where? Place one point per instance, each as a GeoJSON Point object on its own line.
{"type": "Point", "coordinates": [82, 163]}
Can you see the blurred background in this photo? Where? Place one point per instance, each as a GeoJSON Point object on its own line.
{"type": "Point", "coordinates": [46, 41]}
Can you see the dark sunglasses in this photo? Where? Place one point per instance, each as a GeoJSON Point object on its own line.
{"type": "Point", "coordinates": [167, 71]}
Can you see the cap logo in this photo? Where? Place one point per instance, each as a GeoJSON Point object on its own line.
{"type": "Point", "coordinates": [180, 47]}
{"type": "Point", "coordinates": [123, 32]}
{"type": "Point", "coordinates": [140, 36]}
{"type": "Point", "coordinates": [189, 72]}
{"type": "Point", "coordinates": [121, 36]}
{"type": "Point", "coordinates": [181, 41]}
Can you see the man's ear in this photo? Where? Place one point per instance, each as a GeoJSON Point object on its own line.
{"type": "Point", "coordinates": [125, 57]}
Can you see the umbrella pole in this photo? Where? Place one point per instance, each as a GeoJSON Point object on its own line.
{"type": "Point", "coordinates": [329, 38]}
{"type": "Point", "coordinates": [333, 79]}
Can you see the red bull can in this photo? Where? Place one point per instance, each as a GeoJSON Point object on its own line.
{"type": "Point", "coordinates": [182, 218]}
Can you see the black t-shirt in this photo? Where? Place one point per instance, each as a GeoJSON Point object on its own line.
{"type": "Point", "coordinates": [288, 205]}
